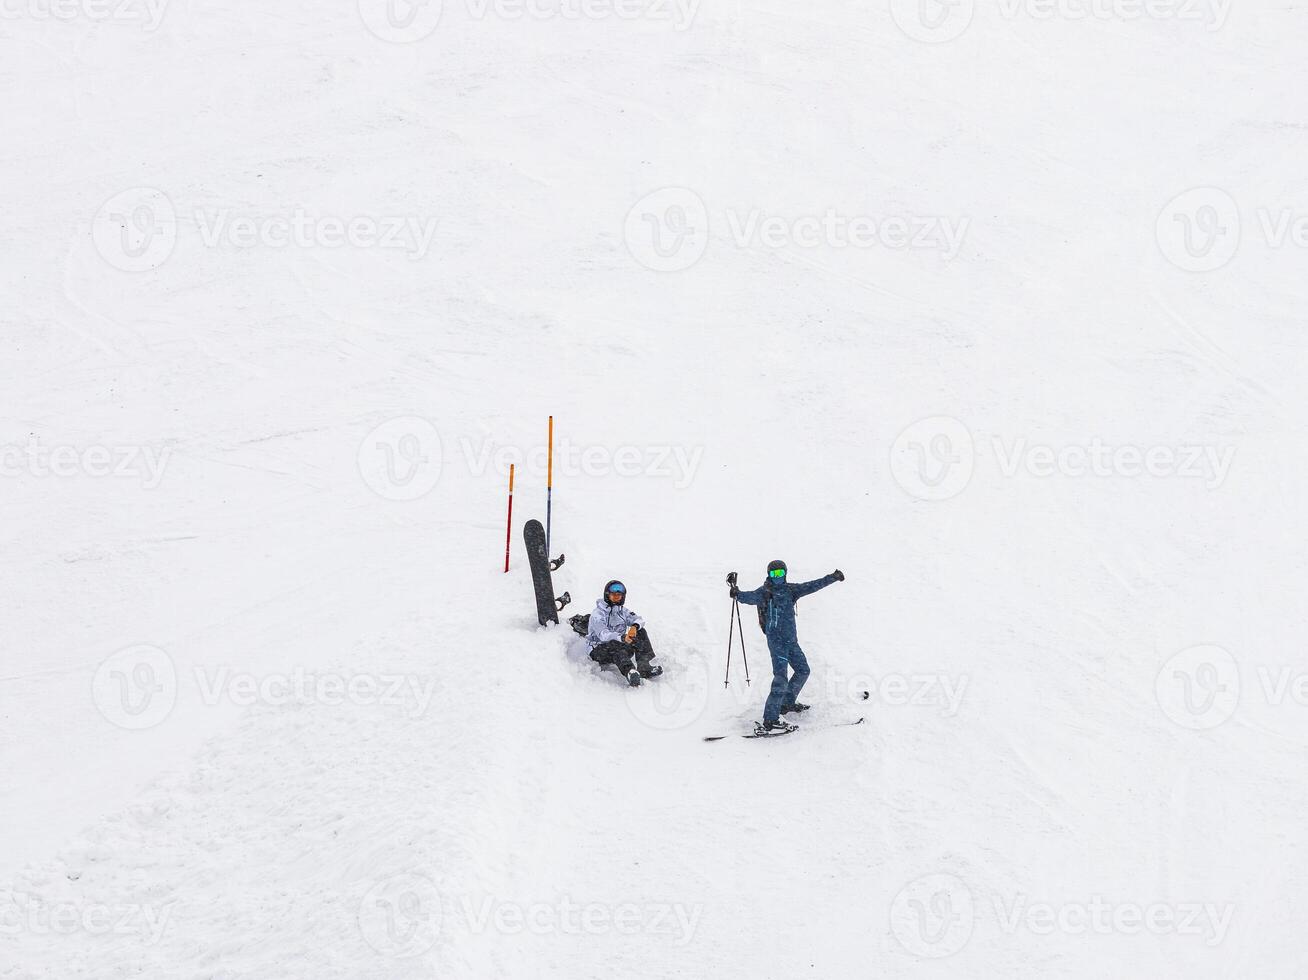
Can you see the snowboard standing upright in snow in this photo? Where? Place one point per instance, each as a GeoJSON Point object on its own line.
{"type": "Point", "coordinates": [547, 607]}
{"type": "Point", "coordinates": [776, 601]}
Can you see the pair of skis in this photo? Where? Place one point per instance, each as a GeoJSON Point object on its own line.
{"type": "Point", "coordinates": [761, 732]}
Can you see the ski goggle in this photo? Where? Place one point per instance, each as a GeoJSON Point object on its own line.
{"type": "Point", "coordinates": [617, 588]}
{"type": "Point", "coordinates": [777, 573]}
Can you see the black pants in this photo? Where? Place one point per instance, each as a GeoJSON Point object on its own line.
{"type": "Point", "coordinates": [621, 654]}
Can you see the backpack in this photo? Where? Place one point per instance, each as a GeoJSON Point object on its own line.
{"type": "Point", "coordinates": [763, 607]}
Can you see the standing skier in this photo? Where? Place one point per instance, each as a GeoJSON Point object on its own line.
{"type": "Point", "coordinates": [616, 634]}
{"type": "Point", "coordinates": [776, 600]}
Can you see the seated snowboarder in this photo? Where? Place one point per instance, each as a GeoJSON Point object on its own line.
{"type": "Point", "coordinates": [777, 598]}
{"type": "Point", "coordinates": [617, 636]}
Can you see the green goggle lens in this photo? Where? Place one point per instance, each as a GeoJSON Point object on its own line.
{"type": "Point", "coordinates": [777, 573]}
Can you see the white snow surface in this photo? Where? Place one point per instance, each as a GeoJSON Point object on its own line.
{"type": "Point", "coordinates": [1084, 753]}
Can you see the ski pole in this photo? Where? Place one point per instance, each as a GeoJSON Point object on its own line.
{"type": "Point", "coordinates": [742, 642]}
{"type": "Point", "coordinates": [508, 534]}
{"type": "Point", "coordinates": [549, 490]}
{"type": "Point", "coordinates": [731, 633]}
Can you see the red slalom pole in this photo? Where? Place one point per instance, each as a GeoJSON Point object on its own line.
{"type": "Point", "coordinates": [508, 534]}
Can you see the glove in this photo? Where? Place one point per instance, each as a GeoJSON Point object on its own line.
{"type": "Point", "coordinates": [733, 591]}
{"type": "Point", "coordinates": [631, 634]}
{"type": "Point", "coordinates": [840, 576]}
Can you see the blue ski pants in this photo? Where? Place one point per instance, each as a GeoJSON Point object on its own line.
{"type": "Point", "coordinates": [786, 657]}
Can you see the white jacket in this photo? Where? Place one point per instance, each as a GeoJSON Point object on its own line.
{"type": "Point", "coordinates": [610, 623]}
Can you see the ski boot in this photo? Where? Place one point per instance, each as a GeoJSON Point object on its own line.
{"type": "Point", "coordinates": [650, 670]}
{"type": "Point", "coordinates": [797, 707]}
{"type": "Point", "coordinates": [777, 727]}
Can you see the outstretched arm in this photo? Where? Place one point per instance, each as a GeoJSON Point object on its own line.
{"type": "Point", "coordinates": [808, 588]}
{"type": "Point", "coordinates": [752, 598]}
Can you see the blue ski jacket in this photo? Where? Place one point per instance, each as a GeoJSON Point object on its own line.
{"type": "Point", "coordinates": [779, 617]}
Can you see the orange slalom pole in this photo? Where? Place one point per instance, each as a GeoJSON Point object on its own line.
{"type": "Point", "coordinates": [508, 534]}
{"type": "Point", "coordinates": [549, 490]}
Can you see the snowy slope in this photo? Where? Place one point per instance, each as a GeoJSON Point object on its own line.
{"type": "Point", "coordinates": [830, 283]}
